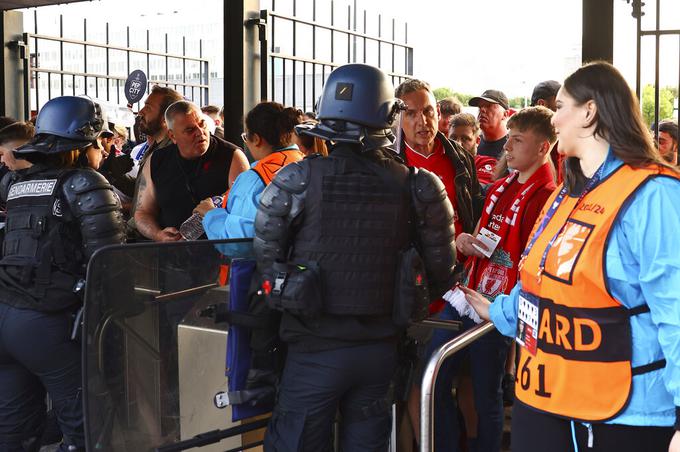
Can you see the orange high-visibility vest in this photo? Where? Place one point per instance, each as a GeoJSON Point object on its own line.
{"type": "Point", "coordinates": [582, 366]}
{"type": "Point", "coordinates": [266, 168]}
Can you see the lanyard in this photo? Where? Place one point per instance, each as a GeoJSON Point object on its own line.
{"type": "Point", "coordinates": [551, 212]}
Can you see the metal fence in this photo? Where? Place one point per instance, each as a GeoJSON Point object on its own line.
{"type": "Point", "coordinates": [296, 76]}
{"type": "Point", "coordinates": [46, 76]}
{"type": "Point", "coordinates": [657, 32]}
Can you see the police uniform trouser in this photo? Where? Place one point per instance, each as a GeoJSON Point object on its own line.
{"type": "Point", "coordinates": [36, 353]}
{"type": "Point", "coordinates": [315, 385]}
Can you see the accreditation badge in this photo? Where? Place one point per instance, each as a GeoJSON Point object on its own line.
{"type": "Point", "coordinates": [527, 322]}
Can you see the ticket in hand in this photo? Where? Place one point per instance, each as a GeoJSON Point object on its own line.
{"type": "Point", "coordinates": [489, 239]}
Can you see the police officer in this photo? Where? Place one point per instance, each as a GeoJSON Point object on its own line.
{"type": "Point", "coordinates": [57, 217]}
{"type": "Point", "coordinates": [332, 240]}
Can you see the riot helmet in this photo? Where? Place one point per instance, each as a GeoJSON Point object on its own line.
{"type": "Point", "coordinates": [357, 106]}
{"type": "Point", "coordinates": [66, 123]}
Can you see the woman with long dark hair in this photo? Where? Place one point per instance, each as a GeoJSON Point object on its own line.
{"type": "Point", "coordinates": [597, 308]}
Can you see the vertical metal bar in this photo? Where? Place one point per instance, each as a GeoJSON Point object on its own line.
{"type": "Point", "coordinates": [108, 95]}
{"type": "Point", "coordinates": [49, 85]}
{"type": "Point", "coordinates": [166, 60]}
{"type": "Point", "coordinates": [200, 73]}
{"type": "Point", "coordinates": [148, 60]}
{"type": "Point", "coordinates": [379, 40]}
{"type": "Point", "coordinates": [283, 100]}
{"type": "Point", "coordinates": [37, 63]}
{"type": "Point", "coordinates": [394, 36]}
{"type": "Point", "coordinates": [349, 35]}
{"type": "Point", "coordinates": [74, 85]}
{"type": "Point", "coordinates": [638, 69]}
{"type": "Point", "coordinates": [354, 38]}
{"type": "Point", "coordinates": [365, 32]}
{"type": "Point", "coordinates": [85, 53]}
{"type": "Point", "coordinates": [332, 32]}
{"type": "Point", "coordinates": [656, 71]}
{"type": "Point", "coordinates": [304, 86]}
{"type": "Point", "coordinates": [27, 78]}
{"type": "Point", "coordinates": [294, 103]}
{"type": "Point", "coordinates": [273, 50]}
{"type": "Point", "coordinates": [184, 65]}
{"type": "Point", "coordinates": [127, 56]}
{"type": "Point", "coordinates": [61, 51]}
{"type": "Point", "coordinates": [118, 92]}
{"type": "Point", "coordinates": [313, 53]}
{"type": "Point", "coordinates": [405, 48]}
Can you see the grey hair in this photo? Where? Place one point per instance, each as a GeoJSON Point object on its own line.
{"type": "Point", "coordinates": [180, 107]}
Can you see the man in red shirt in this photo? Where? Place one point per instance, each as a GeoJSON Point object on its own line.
{"type": "Point", "coordinates": [511, 208]}
{"type": "Point", "coordinates": [423, 146]}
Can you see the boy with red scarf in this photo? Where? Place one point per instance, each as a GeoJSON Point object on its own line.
{"type": "Point", "coordinates": [511, 208]}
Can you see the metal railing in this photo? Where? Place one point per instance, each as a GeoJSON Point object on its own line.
{"type": "Point", "coordinates": [287, 67]}
{"type": "Point", "coordinates": [113, 84]}
{"type": "Point", "coordinates": [430, 377]}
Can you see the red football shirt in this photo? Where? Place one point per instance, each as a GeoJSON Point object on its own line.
{"type": "Point", "coordinates": [439, 164]}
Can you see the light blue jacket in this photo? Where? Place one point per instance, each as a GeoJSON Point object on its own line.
{"type": "Point", "coordinates": [642, 265]}
{"type": "Point", "coordinates": [237, 220]}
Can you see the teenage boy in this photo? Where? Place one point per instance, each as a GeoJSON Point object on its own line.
{"type": "Point", "coordinates": [511, 207]}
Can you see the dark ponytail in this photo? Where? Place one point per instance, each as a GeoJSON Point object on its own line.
{"type": "Point", "coordinates": [273, 122]}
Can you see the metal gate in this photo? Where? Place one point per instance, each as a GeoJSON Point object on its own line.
{"type": "Point", "coordinates": [50, 67]}
{"type": "Point", "coordinates": [657, 32]}
{"type": "Point", "coordinates": [301, 53]}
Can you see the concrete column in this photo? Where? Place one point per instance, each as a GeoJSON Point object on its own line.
{"type": "Point", "coordinates": [598, 30]}
{"type": "Point", "coordinates": [12, 86]}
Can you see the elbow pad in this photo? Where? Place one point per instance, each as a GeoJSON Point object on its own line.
{"type": "Point", "coordinates": [436, 231]}
{"type": "Point", "coordinates": [281, 202]}
{"type": "Point", "coordinates": [92, 201]}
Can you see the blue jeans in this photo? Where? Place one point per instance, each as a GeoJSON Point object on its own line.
{"type": "Point", "coordinates": [487, 366]}
{"type": "Point", "coordinates": [316, 385]}
{"type": "Point", "coordinates": [36, 353]}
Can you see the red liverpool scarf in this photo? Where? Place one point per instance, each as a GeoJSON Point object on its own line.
{"type": "Point", "coordinates": [498, 274]}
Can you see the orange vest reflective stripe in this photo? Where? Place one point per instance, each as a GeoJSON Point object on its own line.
{"type": "Point", "coordinates": [266, 168]}
{"type": "Point", "coordinates": [582, 367]}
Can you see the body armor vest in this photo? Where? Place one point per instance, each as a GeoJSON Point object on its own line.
{"type": "Point", "coordinates": [41, 259]}
{"type": "Point", "coordinates": [356, 221]}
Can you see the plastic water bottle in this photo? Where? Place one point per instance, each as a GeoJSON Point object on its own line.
{"type": "Point", "coordinates": [192, 228]}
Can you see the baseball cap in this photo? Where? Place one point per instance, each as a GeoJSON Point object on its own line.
{"type": "Point", "coordinates": [545, 90]}
{"type": "Point", "coordinates": [491, 95]}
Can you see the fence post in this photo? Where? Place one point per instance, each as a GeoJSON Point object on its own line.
{"type": "Point", "coordinates": [12, 96]}
{"type": "Point", "coordinates": [242, 64]}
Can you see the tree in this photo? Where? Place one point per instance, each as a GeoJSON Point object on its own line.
{"type": "Point", "coordinates": [443, 93]}
{"type": "Point", "coordinates": [666, 98]}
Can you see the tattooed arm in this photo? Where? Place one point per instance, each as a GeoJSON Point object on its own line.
{"type": "Point", "coordinates": [146, 210]}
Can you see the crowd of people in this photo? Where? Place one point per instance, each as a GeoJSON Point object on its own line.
{"type": "Point", "coordinates": [555, 222]}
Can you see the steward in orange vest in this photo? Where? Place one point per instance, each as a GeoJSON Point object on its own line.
{"type": "Point", "coordinates": [578, 365]}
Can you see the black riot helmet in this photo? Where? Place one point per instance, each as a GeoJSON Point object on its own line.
{"type": "Point", "coordinates": [357, 106]}
{"type": "Point", "coordinates": [66, 123]}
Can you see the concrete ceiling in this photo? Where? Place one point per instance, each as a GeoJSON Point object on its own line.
{"type": "Point", "coordinates": [14, 4]}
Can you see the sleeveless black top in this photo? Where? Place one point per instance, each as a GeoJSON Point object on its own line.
{"type": "Point", "coordinates": [181, 184]}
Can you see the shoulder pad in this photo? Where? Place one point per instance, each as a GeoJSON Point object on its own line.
{"type": "Point", "coordinates": [428, 187]}
{"type": "Point", "coordinates": [84, 180]}
{"type": "Point", "coordinates": [275, 200]}
{"type": "Point", "coordinates": [294, 177]}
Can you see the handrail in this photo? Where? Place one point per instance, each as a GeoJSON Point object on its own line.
{"type": "Point", "coordinates": [430, 376]}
